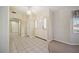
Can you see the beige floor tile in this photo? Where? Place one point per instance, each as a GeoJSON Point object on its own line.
{"type": "Point", "coordinates": [28, 45]}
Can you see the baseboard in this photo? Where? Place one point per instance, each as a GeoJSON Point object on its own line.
{"type": "Point", "coordinates": [70, 43]}
{"type": "Point", "coordinates": [40, 38]}
{"type": "Point", "coordinates": [74, 43]}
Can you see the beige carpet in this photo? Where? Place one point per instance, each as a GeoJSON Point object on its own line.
{"type": "Point", "coordinates": [59, 47]}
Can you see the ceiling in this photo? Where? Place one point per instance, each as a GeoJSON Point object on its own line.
{"type": "Point", "coordinates": [36, 9]}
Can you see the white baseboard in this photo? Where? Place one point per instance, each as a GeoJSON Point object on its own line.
{"type": "Point", "coordinates": [74, 43]}
{"type": "Point", "coordinates": [70, 43]}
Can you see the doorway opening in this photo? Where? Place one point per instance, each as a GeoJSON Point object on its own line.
{"type": "Point", "coordinates": [15, 26]}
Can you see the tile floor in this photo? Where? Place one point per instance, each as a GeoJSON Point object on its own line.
{"type": "Point", "coordinates": [27, 45]}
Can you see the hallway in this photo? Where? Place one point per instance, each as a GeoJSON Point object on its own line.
{"type": "Point", "coordinates": [46, 23]}
{"type": "Point", "coordinates": [28, 45]}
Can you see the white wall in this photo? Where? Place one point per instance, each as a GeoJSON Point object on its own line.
{"type": "Point", "coordinates": [63, 26]}
{"type": "Point", "coordinates": [50, 25]}
{"type": "Point", "coordinates": [4, 33]}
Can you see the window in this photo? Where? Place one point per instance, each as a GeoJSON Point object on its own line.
{"type": "Point", "coordinates": [35, 23]}
{"type": "Point", "coordinates": [45, 23]}
{"type": "Point", "coordinates": [76, 21]}
{"type": "Point", "coordinates": [41, 23]}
